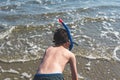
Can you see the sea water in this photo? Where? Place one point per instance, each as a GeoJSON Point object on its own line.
{"type": "Point", "coordinates": [26, 27]}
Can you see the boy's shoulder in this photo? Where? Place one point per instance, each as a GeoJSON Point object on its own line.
{"type": "Point", "coordinates": [49, 47]}
{"type": "Point", "coordinates": [64, 50]}
{"type": "Point", "coordinates": [69, 53]}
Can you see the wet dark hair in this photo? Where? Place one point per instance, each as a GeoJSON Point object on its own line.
{"type": "Point", "coordinates": [60, 37]}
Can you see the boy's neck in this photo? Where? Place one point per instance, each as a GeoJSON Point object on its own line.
{"type": "Point", "coordinates": [63, 45]}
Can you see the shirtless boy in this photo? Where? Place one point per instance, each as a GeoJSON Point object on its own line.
{"type": "Point", "coordinates": [55, 59]}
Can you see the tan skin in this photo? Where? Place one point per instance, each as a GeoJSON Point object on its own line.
{"type": "Point", "coordinates": [56, 58]}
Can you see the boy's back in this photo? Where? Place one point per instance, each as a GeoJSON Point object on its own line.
{"type": "Point", "coordinates": [54, 60]}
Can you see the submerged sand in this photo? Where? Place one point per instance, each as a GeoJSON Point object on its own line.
{"type": "Point", "coordinates": [88, 69]}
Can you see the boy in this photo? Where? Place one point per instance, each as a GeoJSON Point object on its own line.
{"type": "Point", "coordinates": [55, 59]}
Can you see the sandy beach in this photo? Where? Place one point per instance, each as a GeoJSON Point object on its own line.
{"type": "Point", "coordinates": [98, 69]}
{"type": "Point", "coordinates": [88, 69]}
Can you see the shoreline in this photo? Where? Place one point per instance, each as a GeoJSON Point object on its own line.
{"type": "Point", "coordinates": [88, 69]}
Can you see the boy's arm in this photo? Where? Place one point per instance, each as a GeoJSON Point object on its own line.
{"type": "Point", "coordinates": [73, 67]}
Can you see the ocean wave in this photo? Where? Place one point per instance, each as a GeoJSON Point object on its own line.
{"type": "Point", "coordinates": [8, 7]}
{"type": "Point", "coordinates": [28, 28]}
{"type": "Point", "coordinates": [7, 32]}
{"type": "Point", "coordinates": [96, 13]}
{"type": "Point", "coordinates": [29, 40]}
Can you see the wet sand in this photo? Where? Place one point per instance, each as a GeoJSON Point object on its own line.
{"type": "Point", "coordinates": [88, 69]}
{"type": "Point", "coordinates": [98, 69]}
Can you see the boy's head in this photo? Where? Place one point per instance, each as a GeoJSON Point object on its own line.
{"type": "Point", "coordinates": [60, 37]}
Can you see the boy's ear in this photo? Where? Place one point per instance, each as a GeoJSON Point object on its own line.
{"type": "Point", "coordinates": [68, 43]}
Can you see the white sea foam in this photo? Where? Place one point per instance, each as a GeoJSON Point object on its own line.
{"type": "Point", "coordinates": [24, 74]}
{"type": "Point", "coordinates": [87, 68]}
{"type": "Point", "coordinates": [8, 71]}
{"type": "Point", "coordinates": [115, 53]}
{"type": "Point", "coordinates": [88, 64]}
{"type": "Point", "coordinates": [4, 34]}
{"type": "Point", "coordinates": [91, 57]}
{"type": "Point", "coordinates": [80, 77]}
{"type": "Point", "coordinates": [109, 30]}
{"type": "Point", "coordinates": [24, 59]}
{"type": "Point", "coordinates": [7, 79]}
